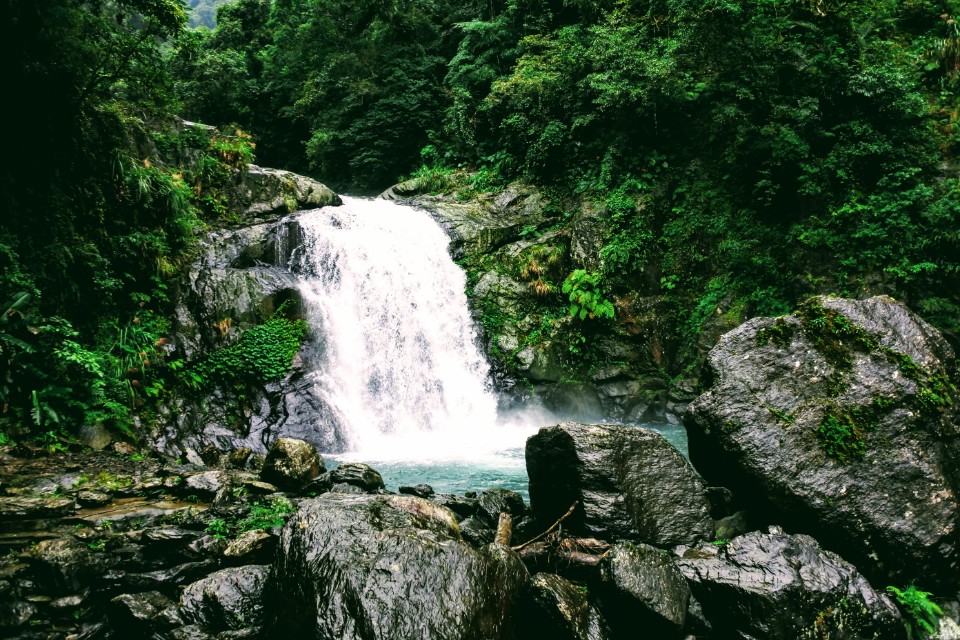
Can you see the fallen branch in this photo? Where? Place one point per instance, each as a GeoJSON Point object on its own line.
{"type": "Point", "coordinates": [565, 553]}
{"type": "Point", "coordinates": [550, 530]}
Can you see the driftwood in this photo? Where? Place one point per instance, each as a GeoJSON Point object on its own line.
{"type": "Point", "coordinates": [571, 553]}
{"type": "Point", "coordinates": [504, 530]}
{"type": "Point", "coordinates": [556, 524]}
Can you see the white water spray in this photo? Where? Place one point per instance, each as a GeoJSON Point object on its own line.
{"type": "Point", "coordinates": [397, 360]}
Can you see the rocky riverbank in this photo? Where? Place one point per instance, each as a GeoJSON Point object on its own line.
{"type": "Point", "coordinates": [827, 447]}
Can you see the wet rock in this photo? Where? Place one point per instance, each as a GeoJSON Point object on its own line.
{"type": "Point", "coordinates": [732, 526]}
{"type": "Point", "coordinates": [94, 498]}
{"type": "Point", "coordinates": [135, 614]}
{"type": "Point", "coordinates": [167, 536]}
{"type": "Point", "coordinates": [263, 192]}
{"type": "Point", "coordinates": [226, 599]}
{"type": "Point", "coordinates": [254, 543]}
{"type": "Point", "coordinates": [463, 506]}
{"type": "Point", "coordinates": [259, 488]}
{"type": "Point", "coordinates": [15, 613]}
{"type": "Point", "coordinates": [28, 508]}
{"type": "Point", "coordinates": [206, 484]}
{"type": "Point", "coordinates": [555, 608]}
{"type": "Point", "coordinates": [838, 422]}
{"type": "Point", "coordinates": [476, 532]}
{"type": "Point", "coordinates": [238, 458]}
{"type": "Point", "coordinates": [63, 566]}
{"type": "Point", "coordinates": [343, 487]}
{"type": "Point", "coordinates": [358, 475]}
{"type": "Point", "coordinates": [165, 578]}
{"type": "Point", "coordinates": [208, 545]}
{"type": "Point", "coordinates": [419, 490]}
{"type": "Point", "coordinates": [493, 502]}
{"type": "Point", "coordinates": [641, 586]}
{"type": "Point", "coordinates": [387, 567]}
{"type": "Point", "coordinates": [124, 449]}
{"type": "Point", "coordinates": [783, 587]}
{"type": "Point", "coordinates": [291, 464]}
{"type": "Point", "coordinates": [67, 603]}
{"type": "Point", "coordinates": [96, 436]}
{"type": "Point", "coordinates": [628, 484]}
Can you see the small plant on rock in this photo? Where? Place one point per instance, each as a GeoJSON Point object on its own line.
{"type": "Point", "coordinates": [921, 614]}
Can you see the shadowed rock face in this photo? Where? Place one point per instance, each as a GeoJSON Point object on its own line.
{"type": "Point", "coordinates": [839, 422]}
{"type": "Point", "coordinates": [630, 483]}
{"type": "Point", "coordinates": [554, 608]}
{"type": "Point", "coordinates": [387, 567]}
{"type": "Point", "coordinates": [641, 586]}
{"type": "Point", "coordinates": [781, 587]}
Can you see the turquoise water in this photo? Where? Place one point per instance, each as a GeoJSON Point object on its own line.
{"type": "Point", "coordinates": [503, 469]}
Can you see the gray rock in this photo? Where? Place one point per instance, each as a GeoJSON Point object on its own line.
{"type": "Point", "coordinates": [265, 191]}
{"type": "Point", "coordinates": [93, 498]}
{"type": "Point", "coordinates": [387, 567]}
{"type": "Point", "coordinates": [781, 587]}
{"type": "Point", "coordinates": [476, 532]}
{"type": "Point", "coordinates": [492, 502]}
{"type": "Point", "coordinates": [96, 436]}
{"type": "Point", "coordinates": [462, 506]}
{"type": "Point", "coordinates": [419, 490]}
{"type": "Point", "coordinates": [226, 599]}
{"type": "Point", "coordinates": [206, 484]}
{"type": "Point", "coordinates": [63, 566]}
{"type": "Point", "coordinates": [135, 613]}
{"type": "Point", "coordinates": [28, 508]}
{"type": "Point", "coordinates": [358, 475]}
{"type": "Point", "coordinates": [826, 422]}
{"type": "Point", "coordinates": [249, 543]}
{"type": "Point", "coordinates": [555, 608]}
{"type": "Point", "coordinates": [641, 586]}
{"type": "Point", "coordinates": [628, 483]}
{"type": "Point", "coordinates": [291, 464]}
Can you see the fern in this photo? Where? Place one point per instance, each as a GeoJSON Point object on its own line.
{"type": "Point", "coordinates": [922, 615]}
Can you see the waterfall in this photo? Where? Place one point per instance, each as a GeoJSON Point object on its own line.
{"type": "Point", "coordinates": [395, 356]}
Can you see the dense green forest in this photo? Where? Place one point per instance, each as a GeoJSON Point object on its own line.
{"type": "Point", "coordinates": [95, 226]}
{"type": "Point", "coordinates": [744, 154]}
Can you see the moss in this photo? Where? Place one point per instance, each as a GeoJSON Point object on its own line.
{"type": "Point", "coordinates": [843, 430]}
{"type": "Point", "coordinates": [784, 416]}
{"type": "Point", "coordinates": [780, 333]}
{"type": "Point", "coordinates": [834, 335]}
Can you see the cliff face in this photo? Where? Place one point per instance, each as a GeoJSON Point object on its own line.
{"type": "Point", "coordinates": [518, 248]}
{"type": "Point", "coordinates": [237, 281]}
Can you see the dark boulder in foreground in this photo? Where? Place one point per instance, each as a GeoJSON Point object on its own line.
{"type": "Point", "coordinates": [641, 587]}
{"type": "Point", "coordinates": [630, 483]}
{"type": "Point", "coordinates": [384, 567]}
{"type": "Point", "coordinates": [781, 587]}
{"type": "Point", "coordinates": [555, 608]}
{"type": "Point", "coordinates": [839, 422]}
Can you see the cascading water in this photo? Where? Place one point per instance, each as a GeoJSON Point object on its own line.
{"type": "Point", "coordinates": [396, 359]}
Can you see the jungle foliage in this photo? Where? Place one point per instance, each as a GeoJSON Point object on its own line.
{"type": "Point", "coordinates": [102, 197]}
{"type": "Point", "coordinates": [741, 155]}
{"type": "Point", "coordinates": [747, 154]}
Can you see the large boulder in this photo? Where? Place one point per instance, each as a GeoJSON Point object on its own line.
{"type": "Point", "coordinates": [226, 599]}
{"type": "Point", "coordinates": [555, 608]}
{"type": "Point", "coordinates": [291, 464]}
{"type": "Point", "coordinates": [839, 422]}
{"type": "Point", "coordinates": [641, 586]}
{"type": "Point", "coordinates": [628, 484]}
{"type": "Point", "coordinates": [782, 587]}
{"type": "Point", "coordinates": [264, 192]}
{"type": "Point", "coordinates": [377, 567]}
